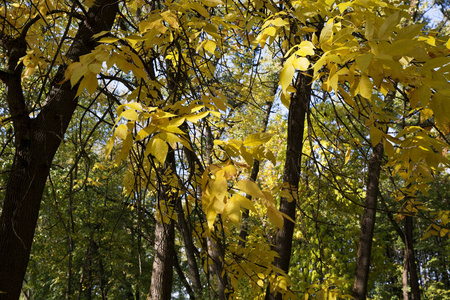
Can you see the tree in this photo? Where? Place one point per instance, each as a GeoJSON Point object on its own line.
{"type": "Point", "coordinates": [36, 137]}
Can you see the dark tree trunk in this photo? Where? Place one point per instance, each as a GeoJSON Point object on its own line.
{"type": "Point", "coordinates": [367, 225]}
{"type": "Point", "coordinates": [190, 250]}
{"type": "Point", "coordinates": [36, 142]}
{"type": "Point", "coordinates": [411, 259]}
{"type": "Point", "coordinates": [405, 276]}
{"type": "Point", "coordinates": [253, 176]}
{"type": "Point", "coordinates": [298, 108]}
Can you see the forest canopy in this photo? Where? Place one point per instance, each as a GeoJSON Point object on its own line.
{"type": "Point", "coordinates": [220, 149]}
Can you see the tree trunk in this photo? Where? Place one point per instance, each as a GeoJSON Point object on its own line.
{"type": "Point", "coordinates": [298, 108]}
{"type": "Point", "coordinates": [36, 142]}
{"type": "Point", "coordinates": [162, 273]}
{"type": "Point", "coordinates": [253, 176]}
{"type": "Point", "coordinates": [405, 276]}
{"type": "Point", "coordinates": [367, 225]}
{"type": "Point", "coordinates": [190, 250]}
{"type": "Point", "coordinates": [411, 259]}
{"type": "Point", "coordinates": [164, 249]}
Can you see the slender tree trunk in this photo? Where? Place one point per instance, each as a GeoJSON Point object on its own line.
{"type": "Point", "coordinates": [213, 245]}
{"type": "Point", "coordinates": [298, 108]}
{"type": "Point", "coordinates": [190, 250]}
{"type": "Point", "coordinates": [405, 276]}
{"type": "Point", "coordinates": [36, 142]}
{"type": "Point", "coordinates": [411, 259]}
{"type": "Point", "coordinates": [253, 176]}
{"type": "Point", "coordinates": [367, 225]}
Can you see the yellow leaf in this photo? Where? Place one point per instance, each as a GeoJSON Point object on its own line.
{"type": "Point", "coordinates": [129, 114]}
{"type": "Point", "coordinates": [232, 210]}
{"type": "Point", "coordinates": [301, 63]}
{"type": "Point", "coordinates": [363, 61]}
{"type": "Point", "coordinates": [326, 32]}
{"type": "Point", "coordinates": [200, 9]}
{"type": "Point", "coordinates": [250, 188]}
{"type": "Point", "coordinates": [195, 117]}
{"type": "Point", "coordinates": [122, 131]}
{"type": "Point", "coordinates": [348, 154]}
{"type": "Point", "coordinates": [287, 73]}
{"type": "Point", "coordinates": [210, 46]}
{"type": "Point", "coordinates": [388, 148]}
{"type": "Point", "coordinates": [441, 109]}
{"type": "Point", "coordinates": [171, 128]}
{"type": "Point", "coordinates": [108, 40]}
{"type": "Point", "coordinates": [90, 82]}
{"type": "Point", "coordinates": [305, 48]}
{"type": "Point", "coordinates": [211, 218]}
{"type": "Point", "coordinates": [285, 100]}
{"type": "Point", "coordinates": [144, 132]}
{"type": "Point", "coordinates": [109, 145]}
{"type": "Point", "coordinates": [95, 68]}
{"type": "Point", "coordinates": [275, 217]}
{"type": "Point", "coordinates": [220, 188]}
{"type": "Point", "coordinates": [270, 31]}
{"type": "Point", "coordinates": [365, 87]}
{"type": "Point", "coordinates": [78, 71]}
{"type": "Point", "coordinates": [170, 138]}
{"type": "Point", "coordinates": [229, 171]}
{"type": "Point", "coordinates": [257, 139]}
{"type": "Point", "coordinates": [134, 105]}
{"type": "Point", "coordinates": [170, 18]}
{"type": "Point", "coordinates": [177, 121]}
{"type": "Point", "coordinates": [388, 25]}
{"type": "Point", "coordinates": [375, 135]}
{"type": "Point", "coordinates": [343, 6]}
{"type": "Point", "coordinates": [212, 3]}
{"type": "Point", "coordinates": [244, 202]}
{"type": "Point", "coordinates": [158, 148]}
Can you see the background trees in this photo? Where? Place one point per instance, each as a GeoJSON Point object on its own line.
{"type": "Point", "coordinates": [182, 98]}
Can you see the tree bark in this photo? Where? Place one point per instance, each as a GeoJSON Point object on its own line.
{"type": "Point", "coordinates": [164, 250]}
{"type": "Point", "coordinates": [190, 250]}
{"type": "Point", "coordinates": [298, 108]}
{"type": "Point", "coordinates": [36, 142]}
{"type": "Point", "coordinates": [405, 276]}
{"type": "Point", "coordinates": [411, 259]}
{"type": "Point", "coordinates": [367, 225]}
{"type": "Point", "coordinates": [162, 273]}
